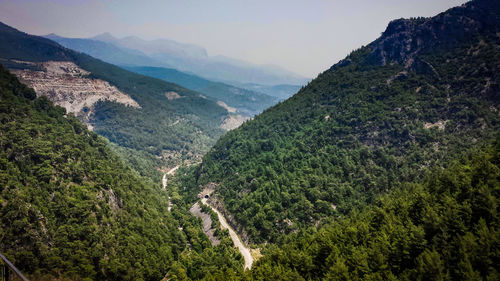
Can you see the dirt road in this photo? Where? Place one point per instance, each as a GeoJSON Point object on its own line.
{"type": "Point", "coordinates": [245, 252]}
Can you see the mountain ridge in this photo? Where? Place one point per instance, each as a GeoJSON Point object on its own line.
{"type": "Point", "coordinates": [408, 37]}
{"type": "Point", "coordinates": [145, 130]}
{"type": "Point", "coordinates": [154, 46]}
{"type": "Point", "coordinates": [359, 129]}
{"type": "Point", "coordinates": [247, 102]}
{"type": "Point", "coordinates": [234, 96]}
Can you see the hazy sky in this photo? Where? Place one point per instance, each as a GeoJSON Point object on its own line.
{"type": "Point", "coordinates": [304, 36]}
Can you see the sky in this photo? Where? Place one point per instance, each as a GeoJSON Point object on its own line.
{"type": "Point", "coordinates": [303, 36]}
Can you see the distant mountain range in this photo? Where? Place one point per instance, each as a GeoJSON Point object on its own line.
{"type": "Point", "coordinates": [163, 58]}
{"type": "Point", "coordinates": [193, 59]}
{"type": "Point", "coordinates": [158, 46]}
{"type": "Point", "coordinates": [142, 115]}
{"type": "Point", "coordinates": [105, 51]}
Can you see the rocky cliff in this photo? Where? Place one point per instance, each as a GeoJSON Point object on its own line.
{"type": "Point", "coordinates": [404, 39]}
{"type": "Point", "coordinates": [69, 86]}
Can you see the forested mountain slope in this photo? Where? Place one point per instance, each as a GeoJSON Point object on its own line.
{"type": "Point", "coordinates": [68, 205]}
{"type": "Point", "coordinates": [70, 209]}
{"type": "Point", "coordinates": [446, 228]}
{"type": "Point", "coordinates": [415, 98]}
{"type": "Point", "coordinates": [170, 122]}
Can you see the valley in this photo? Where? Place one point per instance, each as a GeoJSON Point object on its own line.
{"type": "Point", "coordinates": [132, 111]}
{"type": "Point", "coordinates": [124, 158]}
{"type": "Point", "coordinates": [196, 211]}
{"type": "Point", "coordinates": [238, 100]}
{"type": "Point", "coordinates": [244, 250]}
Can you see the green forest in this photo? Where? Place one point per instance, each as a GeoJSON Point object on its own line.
{"type": "Point", "coordinates": [445, 227]}
{"type": "Point", "coordinates": [70, 209]}
{"type": "Point", "coordinates": [384, 167]}
{"type": "Point", "coordinates": [357, 131]}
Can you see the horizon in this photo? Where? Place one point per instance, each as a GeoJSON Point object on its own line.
{"type": "Point", "coordinates": [293, 35]}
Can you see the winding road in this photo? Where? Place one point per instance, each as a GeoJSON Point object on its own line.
{"type": "Point", "coordinates": [245, 251]}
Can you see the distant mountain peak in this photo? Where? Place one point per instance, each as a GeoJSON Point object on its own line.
{"type": "Point", "coordinates": [52, 36]}
{"type": "Point", "coordinates": [106, 37]}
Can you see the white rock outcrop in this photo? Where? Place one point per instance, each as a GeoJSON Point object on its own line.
{"type": "Point", "coordinates": [69, 86]}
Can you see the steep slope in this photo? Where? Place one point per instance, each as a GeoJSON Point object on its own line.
{"type": "Point", "coordinates": [245, 101]}
{"type": "Point", "coordinates": [169, 122]}
{"type": "Point", "coordinates": [423, 92]}
{"type": "Point", "coordinates": [69, 207]}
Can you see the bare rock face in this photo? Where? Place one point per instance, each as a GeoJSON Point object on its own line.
{"type": "Point", "coordinates": [233, 121]}
{"type": "Point", "coordinates": [227, 107]}
{"type": "Point", "coordinates": [404, 39]}
{"type": "Point", "coordinates": [172, 95]}
{"type": "Point", "coordinates": [207, 223]}
{"type": "Point", "coordinates": [69, 86]}
{"type": "Point", "coordinates": [441, 124]}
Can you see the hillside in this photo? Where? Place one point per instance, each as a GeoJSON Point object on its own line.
{"type": "Point", "coordinates": [169, 124]}
{"type": "Point", "coordinates": [445, 228]}
{"type": "Point", "coordinates": [69, 205]}
{"type": "Point", "coordinates": [70, 209]}
{"type": "Point", "coordinates": [412, 100]}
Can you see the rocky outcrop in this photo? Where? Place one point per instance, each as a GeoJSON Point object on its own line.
{"type": "Point", "coordinates": [69, 86]}
{"type": "Point", "coordinates": [227, 107]}
{"type": "Point", "coordinates": [233, 121]}
{"type": "Point", "coordinates": [404, 39]}
{"type": "Point", "coordinates": [206, 222]}
{"type": "Point", "coordinates": [172, 95]}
